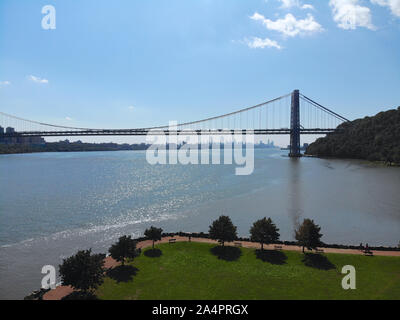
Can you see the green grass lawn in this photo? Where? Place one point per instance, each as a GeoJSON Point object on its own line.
{"type": "Point", "coordinates": [191, 271]}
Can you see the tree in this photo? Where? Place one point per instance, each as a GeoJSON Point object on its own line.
{"type": "Point", "coordinates": [125, 248]}
{"type": "Point", "coordinates": [308, 235]}
{"type": "Point", "coordinates": [153, 234]}
{"type": "Point", "coordinates": [83, 271]}
{"type": "Point", "coordinates": [223, 230]}
{"type": "Point", "coordinates": [264, 231]}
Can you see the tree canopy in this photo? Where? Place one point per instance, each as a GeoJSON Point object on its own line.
{"type": "Point", "coordinates": [264, 231]}
{"type": "Point", "coordinates": [125, 248]}
{"type": "Point", "coordinates": [83, 271]}
{"type": "Point", "coordinates": [223, 230]}
{"type": "Point", "coordinates": [308, 235]}
{"type": "Point", "coordinates": [153, 233]}
{"type": "Point", "coordinates": [374, 138]}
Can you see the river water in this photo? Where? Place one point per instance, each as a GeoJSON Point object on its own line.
{"type": "Point", "coordinates": [53, 204]}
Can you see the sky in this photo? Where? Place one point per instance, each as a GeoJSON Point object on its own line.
{"type": "Point", "coordinates": [131, 63]}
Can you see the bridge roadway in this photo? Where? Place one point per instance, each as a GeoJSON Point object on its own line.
{"type": "Point", "coordinates": [144, 132]}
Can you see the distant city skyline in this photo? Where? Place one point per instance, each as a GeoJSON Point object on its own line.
{"type": "Point", "coordinates": [136, 64]}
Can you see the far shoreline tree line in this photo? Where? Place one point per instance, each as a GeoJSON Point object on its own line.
{"type": "Point", "coordinates": [85, 271]}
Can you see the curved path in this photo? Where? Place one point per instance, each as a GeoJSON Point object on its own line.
{"type": "Point", "coordinates": [109, 262]}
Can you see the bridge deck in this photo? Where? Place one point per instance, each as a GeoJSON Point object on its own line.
{"type": "Point", "coordinates": [144, 132]}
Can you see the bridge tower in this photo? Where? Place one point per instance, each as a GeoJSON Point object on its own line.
{"type": "Point", "coordinates": [295, 125]}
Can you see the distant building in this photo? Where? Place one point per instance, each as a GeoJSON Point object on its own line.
{"type": "Point", "coordinates": [304, 147]}
{"type": "Point", "coordinates": [18, 139]}
{"type": "Point", "coordinates": [10, 130]}
{"type": "Point", "coordinates": [262, 145]}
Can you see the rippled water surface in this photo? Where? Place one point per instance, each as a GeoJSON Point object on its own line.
{"type": "Point", "coordinates": [53, 204]}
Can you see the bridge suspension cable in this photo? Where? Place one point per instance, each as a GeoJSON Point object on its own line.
{"type": "Point", "coordinates": [40, 123]}
{"type": "Point", "coordinates": [317, 105]}
{"type": "Point", "coordinates": [224, 116]}
{"type": "Point", "coordinates": [270, 117]}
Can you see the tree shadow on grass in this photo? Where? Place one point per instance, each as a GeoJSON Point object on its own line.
{"type": "Point", "coordinates": [271, 256]}
{"type": "Point", "coordinates": [122, 273]}
{"type": "Point", "coordinates": [153, 253]}
{"type": "Point", "coordinates": [78, 295]}
{"type": "Point", "coordinates": [226, 253]}
{"type": "Point", "coordinates": [317, 261]}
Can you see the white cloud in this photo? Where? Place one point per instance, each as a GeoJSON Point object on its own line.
{"type": "Point", "coordinates": [131, 107]}
{"type": "Point", "coordinates": [290, 26]}
{"type": "Point", "coordinates": [307, 6]}
{"type": "Point", "coordinates": [287, 4]}
{"type": "Point", "coordinates": [4, 83]}
{"type": "Point", "coordinates": [256, 43]}
{"type": "Point", "coordinates": [38, 80]}
{"type": "Point", "coordinates": [348, 14]}
{"type": "Point", "coordinates": [393, 5]}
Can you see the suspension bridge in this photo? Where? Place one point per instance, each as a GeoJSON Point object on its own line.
{"type": "Point", "coordinates": [292, 114]}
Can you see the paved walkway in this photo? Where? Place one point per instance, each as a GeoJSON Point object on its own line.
{"type": "Point", "coordinates": [248, 244]}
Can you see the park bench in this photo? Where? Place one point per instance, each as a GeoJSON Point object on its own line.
{"type": "Point", "coordinates": [278, 247]}
{"type": "Point", "coordinates": [172, 240]}
{"type": "Point", "coordinates": [319, 250]}
{"type": "Point", "coordinates": [238, 244]}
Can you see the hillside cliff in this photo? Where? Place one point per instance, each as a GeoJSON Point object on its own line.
{"type": "Point", "coordinates": [374, 138]}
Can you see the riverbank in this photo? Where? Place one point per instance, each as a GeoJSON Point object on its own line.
{"type": "Point", "coordinates": [66, 146]}
{"type": "Point", "coordinates": [78, 146]}
{"type": "Point", "coordinates": [371, 163]}
{"type": "Point", "coordinates": [63, 291]}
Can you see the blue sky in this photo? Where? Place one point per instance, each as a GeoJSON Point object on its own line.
{"type": "Point", "coordinates": [131, 63]}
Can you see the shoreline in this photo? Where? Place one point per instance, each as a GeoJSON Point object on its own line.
{"type": "Point", "coordinates": [379, 163]}
{"type": "Point", "coordinates": [109, 263]}
{"type": "Point", "coordinates": [70, 151]}
{"type": "Point", "coordinates": [99, 150]}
